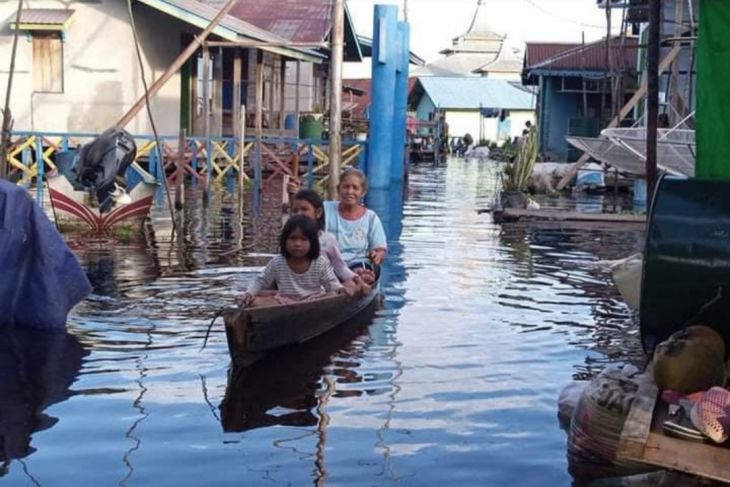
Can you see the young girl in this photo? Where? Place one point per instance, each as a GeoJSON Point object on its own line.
{"type": "Point", "coordinates": [299, 271]}
{"type": "Point", "coordinates": [308, 203]}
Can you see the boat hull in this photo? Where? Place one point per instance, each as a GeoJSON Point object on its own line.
{"type": "Point", "coordinates": [253, 333]}
{"type": "Point", "coordinates": [72, 210]}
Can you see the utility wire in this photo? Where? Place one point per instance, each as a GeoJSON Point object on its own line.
{"type": "Point", "coordinates": [158, 145]}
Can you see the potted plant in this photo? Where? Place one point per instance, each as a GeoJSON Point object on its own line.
{"type": "Point", "coordinates": [311, 124]}
{"type": "Point", "coordinates": [516, 175]}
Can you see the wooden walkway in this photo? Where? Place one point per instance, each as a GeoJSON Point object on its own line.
{"type": "Point", "coordinates": [510, 215]}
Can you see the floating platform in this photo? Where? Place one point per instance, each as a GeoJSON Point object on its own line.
{"type": "Point", "coordinates": [643, 440]}
{"type": "Point", "coordinates": [509, 215]}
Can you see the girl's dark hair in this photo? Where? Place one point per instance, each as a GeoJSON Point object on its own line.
{"type": "Point", "coordinates": [314, 199]}
{"type": "Point", "coordinates": [308, 228]}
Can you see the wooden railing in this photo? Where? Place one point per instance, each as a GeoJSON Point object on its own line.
{"type": "Point", "coordinates": [206, 160]}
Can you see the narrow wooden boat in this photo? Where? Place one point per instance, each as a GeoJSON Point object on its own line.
{"type": "Point", "coordinates": [254, 332]}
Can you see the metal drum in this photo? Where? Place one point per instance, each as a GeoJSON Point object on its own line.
{"type": "Point", "coordinates": [687, 259]}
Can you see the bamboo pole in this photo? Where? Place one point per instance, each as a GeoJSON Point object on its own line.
{"type": "Point", "coordinates": [337, 52]}
{"type": "Point", "coordinates": [176, 65]}
{"type": "Point", "coordinates": [7, 115]}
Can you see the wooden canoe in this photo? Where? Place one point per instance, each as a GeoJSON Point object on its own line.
{"type": "Point", "coordinates": [255, 332]}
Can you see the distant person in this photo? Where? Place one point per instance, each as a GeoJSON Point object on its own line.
{"type": "Point", "coordinates": [662, 121]}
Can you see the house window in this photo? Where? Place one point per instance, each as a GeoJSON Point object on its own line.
{"type": "Point", "coordinates": [47, 62]}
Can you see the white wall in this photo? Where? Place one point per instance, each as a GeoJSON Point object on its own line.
{"type": "Point", "coordinates": [462, 122]}
{"type": "Point", "coordinates": [101, 72]}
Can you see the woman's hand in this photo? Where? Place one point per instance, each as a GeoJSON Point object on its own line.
{"type": "Point", "coordinates": [248, 299]}
{"type": "Point", "coordinates": [377, 256]}
{"type": "Point", "coordinates": [294, 185]}
{"type": "Point", "coordinates": [366, 275]}
{"type": "Point", "coordinates": [346, 290]}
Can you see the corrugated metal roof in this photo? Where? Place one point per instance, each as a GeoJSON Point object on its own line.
{"type": "Point", "coordinates": [579, 57]}
{"type": "Point", "coordinates": [230, 28]}
{"type": "Point", "coordinates": [295, 20]}
{"type": "Point", "coordinates": [473, 93]}
{"type": "Point", "coordinates": [44, 16]}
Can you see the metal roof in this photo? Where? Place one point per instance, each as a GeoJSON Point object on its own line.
{"type": "Point", "coordinates": [473, 93]}
{"type": "Point", "coordinates": [200, 14]}
{"type": "Point", "coordinates": [294, 20]}
{"type": "Point", "coordinates": [587, 57]}
{"type": "Point", "coordinates": [43, 16]}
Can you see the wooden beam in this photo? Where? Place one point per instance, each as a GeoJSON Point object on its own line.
{"type": "Point", "coordinates": [297, 100]}
{"type": "Point", "coordinates": [261, 44]}
{"type": "Point", "coordinates": [217, 101]}
{"type": "Point", "coordinates": [237, 66]}
{"type": "Point", "coordinates": [282, 97]}
{"type": "Point", "coordinates": [652, 101]}
{"type": "Point", "coordinates": [176, 65]}
{"type": "Point", "coordinates": [337, 35]}
{"type": "Point", "coordinates": [623, 113]}
{"type": "Point", "coordinates": [206, 92]}
{"type": "Point", "coordinates": [259, 130]}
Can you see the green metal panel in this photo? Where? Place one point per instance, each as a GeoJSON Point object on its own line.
{"type": "Point", "coordinates": [687, 258]}
{"type": "Point", "coordinates": [713, 91]}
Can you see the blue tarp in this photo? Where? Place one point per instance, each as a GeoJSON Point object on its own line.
{"type": "Point", "coordinates": [40, 279]}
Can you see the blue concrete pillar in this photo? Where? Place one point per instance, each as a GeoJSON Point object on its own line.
{"type": "Point", "coordinates": [401, 103]}
{"type": "Point", "coordinates": [382, 109]}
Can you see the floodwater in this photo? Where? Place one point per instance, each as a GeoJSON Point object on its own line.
{"type": "Point", "coordinates": [454, 382]}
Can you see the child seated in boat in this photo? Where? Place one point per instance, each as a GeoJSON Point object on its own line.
{"type": "Point", "coordinates": [299, 271]}
{"type": "Point", "coordinates": [359, 231]}
{"type": "Point", "coordinates": [308, 203]}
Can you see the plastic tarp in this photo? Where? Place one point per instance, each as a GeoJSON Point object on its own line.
{"type": "Point", "coordinates": [713, 91]}
{"type": "Point", "coordinates": [40, 279]}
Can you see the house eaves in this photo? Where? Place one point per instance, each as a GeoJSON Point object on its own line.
{"type": "Point", "coordinates": [231, 29]}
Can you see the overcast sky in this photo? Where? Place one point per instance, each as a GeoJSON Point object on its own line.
{"type": "Point", "coordinates": [435, 22]}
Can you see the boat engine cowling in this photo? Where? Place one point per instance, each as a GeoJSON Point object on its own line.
{"type": "Point", "coordinates": [103, 163]}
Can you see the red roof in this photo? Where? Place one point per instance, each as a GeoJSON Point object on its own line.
{"type": "Point", "coordinates": [580, 57]}
{"type": "Point", "coordinates": [363, 101]}
{"type": "Point", "coordinates": [295, 20]}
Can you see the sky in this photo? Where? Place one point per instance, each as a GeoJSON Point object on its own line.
{"type": "Point", "coordinates": [434, 23]}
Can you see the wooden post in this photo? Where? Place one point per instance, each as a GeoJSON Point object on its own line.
{"type": "Point", "coordinates": [7, 126]}
{"type": "Point", "coordinates": [337, 53]}
{"type": "Point", "coordinates": [179, 186]}
{"type": "Point", "coordinates": [206, 93]}
{"type": "Point", "coordinates": [282, 100]}
{"type": "Point", "coordinates": [217, 92]}
{"type": "Point", "coordinates": [652, 102]}
{"type": "Point", "coordinates": [237, 65]}
{"type": "Point", "coordinates": [297, 100]}
{"type": "Point", "coordinates": [259, 116]}
{"type": "Point", "coordinates": [176, 65]}
{"type": "Point", "coordinates": [241, 123]}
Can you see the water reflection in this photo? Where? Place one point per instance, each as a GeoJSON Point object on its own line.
{"type": "Point", "coordinates": [37, 368]}
{"type": "Point", "coordinates": [285, 388]}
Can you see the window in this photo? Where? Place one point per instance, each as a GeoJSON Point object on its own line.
{"type": "Point", "coordinates": [47, 62]}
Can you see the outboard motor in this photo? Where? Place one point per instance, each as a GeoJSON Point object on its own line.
{"type": "Point", "coordinates": [102, 165]}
